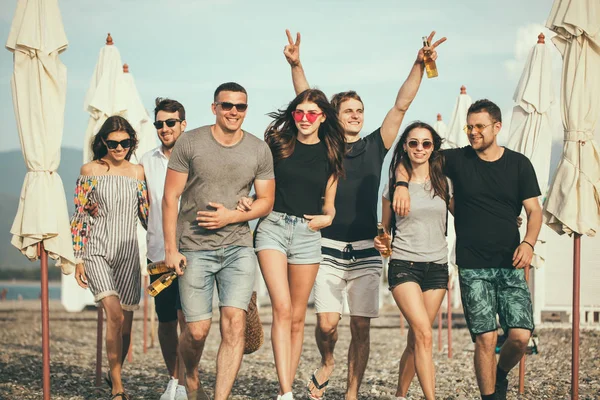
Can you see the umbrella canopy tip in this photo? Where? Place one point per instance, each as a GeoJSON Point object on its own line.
{"type": "Point", "coordinates": [125, 68]}
{"type": "Point", "coordinates": [109, 40]}
{"type": "Point", "coordinates": [463, 89]}
{"type": "Point", "coordinates": [541, 39]}
{"type": "Point", "coordinates": [439, 117]}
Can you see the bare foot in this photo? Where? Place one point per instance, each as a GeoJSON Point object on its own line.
{"type": "Point", "coordinates": [322, 377]}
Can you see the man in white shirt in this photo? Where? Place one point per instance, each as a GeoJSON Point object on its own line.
{"type": "Point", "coordinates": [169, 121]}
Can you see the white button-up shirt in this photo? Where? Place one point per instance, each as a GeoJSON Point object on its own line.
{"type": "Point", "coordinates": [155, 167]}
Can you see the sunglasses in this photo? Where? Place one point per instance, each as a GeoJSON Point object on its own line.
{"type": "Point", "coordinates": [170, 123]}
{"type": "Point", "coordinates": [413, 144]}
{"type": "Point", "coordinates": [478, 127]}
{"type": "Point", "coordinates": [227, 106]}
{"type": "Point", "coordinates": [113, 144]}
{"type": "Point", "coordinates": [311, 116]}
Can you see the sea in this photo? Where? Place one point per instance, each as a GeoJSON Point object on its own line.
{"type": "Point", "coordinates": [22, 290]}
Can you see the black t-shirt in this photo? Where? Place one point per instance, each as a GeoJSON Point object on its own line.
{"type": "Point", "coordinates": [301, 179]}
{"type": "Point", "coordinates": [488, 197]}
{"type": "Point", "coordinates": [357, 193]}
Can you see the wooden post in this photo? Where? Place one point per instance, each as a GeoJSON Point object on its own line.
{"type": "Point", "coordinates": [522, 362]}
{"type": "Point", "coordinates": [99, 330]}
{"type": "Point", "coordinates": [449, 322]}
{"type": "Point", "coordinates": [440, 330]}
{"type": "Point", "coordinates": [145, 329]}
{"type": "Point", "coordinates": [43, 255]}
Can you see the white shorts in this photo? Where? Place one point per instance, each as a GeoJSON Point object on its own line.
{"type": "Point", "coordinates": [352, 270]}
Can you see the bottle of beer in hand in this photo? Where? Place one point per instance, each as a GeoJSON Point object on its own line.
{"type": "Point", "coordinates": [161, 283]}
{"type": "Point", "coordinates": [158, 267]}
{"type": "Point", "coordinates": [385, 239]}
{"type": "Point", "coordinates": [430, 66]}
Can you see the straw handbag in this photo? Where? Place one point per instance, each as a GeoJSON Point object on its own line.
{"type": "Point", "coordinates": [255, 336]}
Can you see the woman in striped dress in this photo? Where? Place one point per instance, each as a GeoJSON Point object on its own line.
{"type": "Point", "coordinates": [105, 245]}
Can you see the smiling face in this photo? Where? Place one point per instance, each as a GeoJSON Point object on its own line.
{"type": "Point", "coordinates": [168, 136]}
{"type": "Point", "coordinates": [230, 121]}
{"type": "Point", "coordinates": [419, 146]}
{"type": "Point", "coordinates": [308, 130]}
{"type": "Point", "coordinates": [482, 138]}
{"type": "Point", "coordinates": [118, 154]}
{"type": "Point", "coordinates": [351, 116]}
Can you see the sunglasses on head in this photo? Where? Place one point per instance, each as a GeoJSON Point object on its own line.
{"type": "Point", "coordinates": [170, 123]}
{"type": "Point", "coordinates": [311, 116]}
{"type": "Point", "coordinates": [113, 144]}
{"type": "Point", "coordinates": [414, 143]}
{"type": "Point", "coordinates": [227, 106]}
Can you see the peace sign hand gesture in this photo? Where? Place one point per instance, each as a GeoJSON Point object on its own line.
{"type": "Point", "coordinates": [292, 50]}
{"type": "Point", "coordinates": [431, 48]}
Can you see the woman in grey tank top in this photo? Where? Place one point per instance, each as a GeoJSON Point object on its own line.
{"type": "Point", "coordinates": [418, 270]}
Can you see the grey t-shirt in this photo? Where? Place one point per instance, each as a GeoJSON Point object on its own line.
{"type": "Point", "coordinates": [217, 174]}
{"type": "Point", "coordinates": [421, 236]}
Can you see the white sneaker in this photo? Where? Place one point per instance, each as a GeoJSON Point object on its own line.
{"type": "Point", "coordinates": [169, 393]}
{"type": "Point", "coordinates": [180, 393]}
{"type": "Point", "coordinates": [287, 396]}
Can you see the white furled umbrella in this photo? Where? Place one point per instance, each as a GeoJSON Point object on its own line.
{"type": "Point", "coordinates": [442, 130]}
{"type": "Point", "coordinates": [38, 84]}
{"type": "Point", "coordinates": [573, 201]}
{"type": "Point", "coordinates": [456, 135]}
{"type": "Point", "coordinates": [530, 130]}
{"type": "Point", "coordinates": [104, 96]}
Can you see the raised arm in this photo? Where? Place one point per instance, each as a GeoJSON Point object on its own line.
{"type": "Point", "coordinates": [292, 55]}
{"type": "Point", "coordinates": [174, 185]}
{"type": "Point", "coordinates": [406, 94]}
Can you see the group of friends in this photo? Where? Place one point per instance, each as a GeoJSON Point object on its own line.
{"type": "Point", "coordinates": [316, 190]}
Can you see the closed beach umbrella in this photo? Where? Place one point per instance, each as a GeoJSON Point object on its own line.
{"type": "Point", "coordinates": [38, 84]}
{"type": "Point", "coordinates": [456, 135]}
{"type": "Point", "coordinates": [573, 202]}
{"type": "Point", "coordinates": [530, 130]}
{"type": "Point", "coordinates": [441, 128]}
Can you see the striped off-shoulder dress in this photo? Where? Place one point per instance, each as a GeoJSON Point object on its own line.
{"type": "Point", "coordinates": [107, 243]}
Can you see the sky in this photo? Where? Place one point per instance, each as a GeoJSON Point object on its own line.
{"type": "Point", "coordinates": [185, 49]}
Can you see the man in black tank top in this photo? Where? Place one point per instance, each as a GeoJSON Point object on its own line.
{"type": "Point", "coordinates": [350, 262]}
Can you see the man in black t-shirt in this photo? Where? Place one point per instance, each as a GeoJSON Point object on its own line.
{"type": "Point", "coordinates": [350, 263]}
{"type": "Point", "coordinates": [491, 184]}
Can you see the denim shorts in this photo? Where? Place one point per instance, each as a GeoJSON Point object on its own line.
{"type": "Point", "coordinates": [428, 275]}
{"type": "Point", "coordinates": [232, 267]}
{"type": "Point", "coordinates": [291, 236]}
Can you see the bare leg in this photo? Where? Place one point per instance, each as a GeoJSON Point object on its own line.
{"type": "Point", "coordinates": [168, 339]}
{"type": "Point", "coordinates": [485, 362]}
{"type": "Point", "coordinates": [179, 372]}
{"type": "Point", "coordinates": [126, 334]}
{"type": "Point", "coordinates": [301, 278]}
{"type": "Point", "coordinates": [231, 350]}
{"type": "Point", "coordinates": [273, 265]}
{"type": "Point", "coordinates": [409, 298]}
{"type": "Point", "coordinates": [358, 354]}
{"type": "Point", "coordinates": [191, 347]}
{"type": "Point", "coordinates": [326, 336]}
{"type": "Point", "coordinates": [514, 348]}
{"type": "Point", "coordinates": [433, 300]}
{"type": "Point", "coordinates": [114, 340]}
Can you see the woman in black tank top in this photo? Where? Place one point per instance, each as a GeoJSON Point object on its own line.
{"type": "Point", "coordinates": [308, 147]}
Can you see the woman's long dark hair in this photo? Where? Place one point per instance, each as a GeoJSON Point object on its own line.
{"type": "Point", "coordinates": [438, 180]}
{"type": "Point", "coordinates": [281, 134]}
{"type": "Point", "coordinates": [112, 124]}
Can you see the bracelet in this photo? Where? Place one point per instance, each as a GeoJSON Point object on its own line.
{"type": "Point", "coordinates": [401, 183]}
{"type": "Point", "coordinates": [525, 241]}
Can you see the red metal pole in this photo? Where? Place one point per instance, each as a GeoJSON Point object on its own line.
{"type": "Point", "coordinates": [45, 322]}
{"type": "Point", "coordinates": [440, 330]}
{"type": "Point", "coordinates": [99, 330]}
{"type": "Point", "coordinates": [145, 330]}
{"type": "Point", "coordinates": [522, 362]}
{"type": "Point", "coordinates": [449, 322]}
{"type": "Point", "coordinates": [575, 344]}
{"type": "Point", "coordinates": [130, 352]}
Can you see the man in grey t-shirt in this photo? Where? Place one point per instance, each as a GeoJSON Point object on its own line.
{"type": "Point", "coordinates": [211, 168]}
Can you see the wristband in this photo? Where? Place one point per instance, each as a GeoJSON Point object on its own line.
{"type": "Point", "coordinates": [525, 241]}
{"type": "Point", "coordinates": [401, 183]}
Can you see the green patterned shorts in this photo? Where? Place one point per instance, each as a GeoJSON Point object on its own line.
{"type": "Point", "coordinates": [490, 291]}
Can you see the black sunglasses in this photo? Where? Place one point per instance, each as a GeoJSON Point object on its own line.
{"type": "Point", "coordinates": [227, 106]}
{"type": "Point", "coordinates": [113, 144]}
{"type": "Point", "coordinates": [170, 123]}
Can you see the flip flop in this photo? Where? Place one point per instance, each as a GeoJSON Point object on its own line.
{"type": "Point", "coordinates": [122, 395]}
{"type": "Point", "coordinates": [317, 385]}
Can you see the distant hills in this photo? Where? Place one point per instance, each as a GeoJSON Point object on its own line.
{"type": "Point", "coordinates": [13, 170]}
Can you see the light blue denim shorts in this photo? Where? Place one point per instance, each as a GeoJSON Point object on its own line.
{"type": "Point", "coordinates": [232, 267]}
{"type": "Point", "coordinates": [291, 236]}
